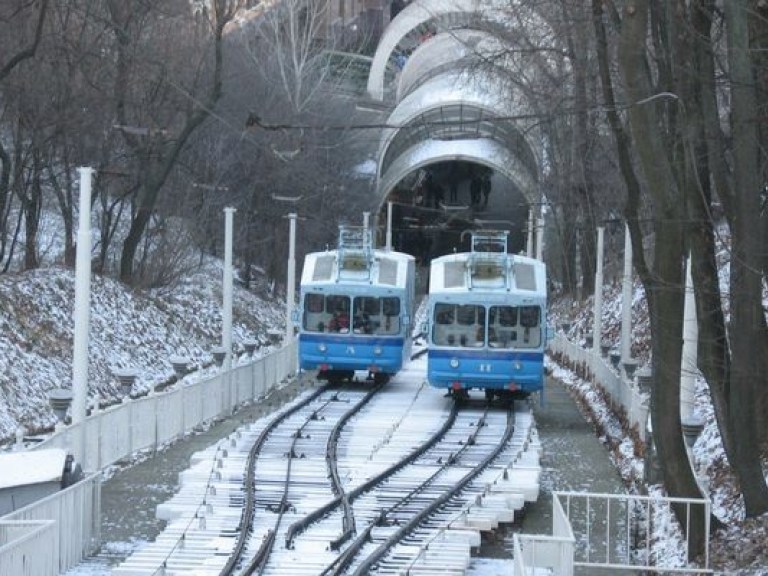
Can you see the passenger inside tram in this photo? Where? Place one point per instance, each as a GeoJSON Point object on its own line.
{"type": "Point", "coordinates": [339, 322]}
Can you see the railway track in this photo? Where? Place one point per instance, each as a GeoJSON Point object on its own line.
{"type": "Point", "coordinates": [349, 481]}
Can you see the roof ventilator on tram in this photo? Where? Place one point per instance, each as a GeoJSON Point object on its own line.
{"type": "Point", "coordinates": [489, 261]}
{"type": "Point", "coordinates": [355, 252]}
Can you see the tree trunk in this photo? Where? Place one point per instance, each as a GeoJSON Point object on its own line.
{"type": "Point", "coordinates": [623, 148]}
{"type": "Point", "coordinates": [5, 196]}
{"type": "Point", "coordinates": [748, 329]}
{"type": "Point", "coordinates": [667, 285]}
{"type": "Point", "coordinates": [159, 154]}
{"type": "Point", "coordinates": [713, 352]}
{"type": "Point", "coordinates": [32, 203]}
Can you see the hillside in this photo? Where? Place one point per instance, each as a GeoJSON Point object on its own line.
{"type": "Point", "coordinates": [144, 329]}
{"type": "Point", "coordinates": [136, 329]}
{"type": "Point", "coordinates": [740, 547]}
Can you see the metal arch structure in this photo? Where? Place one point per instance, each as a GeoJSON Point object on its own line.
{"type": "Point", "coordinates": [451, 14]}
{"type": "Point", "coordinates": [446, 107]}
{"type": "Point", "coordinates": [457, 116]}
{"type": "Point", "coordinates": [444, 53]}
{"type": "Point", "coordinates": [481, 151]}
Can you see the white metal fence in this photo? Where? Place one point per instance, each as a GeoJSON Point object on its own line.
{"type": "Point", "coordinates": [20, 542]}
{"type": "Point", "coordinates": [55, 533]}
{"type": "Point", "coordinates": [535, 553]}
{"type": "Point", "coordinates": [622, 392]}
{"type": "Point", "coordinates": [609, 533]}
{"type": "Point", "coordinates": [67, 528]}
{"type": "Point", "coordinates": [149, 422]}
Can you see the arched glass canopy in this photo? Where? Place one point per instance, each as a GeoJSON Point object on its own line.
{"type": "Point", "coordinates": [443, 53]}
{"type": "Point", "coordinates": [481, 151]}
{"type": "Point", "coordinates": [465, 110]}
{"type": "Point", "coordinates": [448, 109]}
{"type": "Point", "coordinates": [406, 31]}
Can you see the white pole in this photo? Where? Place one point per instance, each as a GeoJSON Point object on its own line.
{"type": "Point", "coordinates": [529, 243]}
{"type": "Point", "coordinates": [690, 349]}
{"type": "Point", "coordinates": [540, 239]}
{"type": "Point", "coordinates": [290, 292]}
{"type": "Point", "coordinates": [82, 310]}
{"type": "Point", "coordinates": [389, 225]}
{"type": "Point", "coordinates": [226, 335]}
{"type": "Point", "coordinates": [82, 299]}
{"type": "Point", "coordinates": [597, 325]}
{"type": "Point", "coordinates": [626, 299]}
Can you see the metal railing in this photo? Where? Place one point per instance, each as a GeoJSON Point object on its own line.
{"type": "Point", "coordinates": [69, 525]}
{"type": "Point", "coordinates": [55, 533]}
{"type": "Point", "coordinates": [20, 542]}
{"type": "Point", "coordinates": [620, 390]}
{"type": "Point", "coordinates": [552, 554]}
{"type": "Point", "coordinates": [110, 435]}
{"type": "Point", "coordinates": [616, 532]}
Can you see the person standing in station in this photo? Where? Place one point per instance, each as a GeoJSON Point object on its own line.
{"type": "Point", "coordinates": [486, 186]}
{"type": "Point", "coordinates": [453, 183]}
{"type": "Point", "coordinates": [475, 186]}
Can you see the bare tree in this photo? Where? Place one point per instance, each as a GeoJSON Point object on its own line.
{"type": "Point", "coordinates": [21, 29]}
{"type": "Point", "coordinates": [160, 99]}
{"type": "Point", "coordinates": [280, 134]}
{"type": "Point", "coordinates": [748, 334]}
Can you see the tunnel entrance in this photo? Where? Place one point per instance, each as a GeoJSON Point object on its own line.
{"type": "Point", "coordinates": [433, 208]}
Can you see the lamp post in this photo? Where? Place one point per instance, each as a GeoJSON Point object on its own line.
{"type": "Point", "coordinates": [82, 309]}
{"type": "Point", "coordinates": [540, 236]}
{"type": "Point", "coordinates": [290, 291]}
{"type": "Point", "coordinates": [597, 328]}
{"type": "Point", "coordinates": [692, 424]}
{"type": "Point", "coordinates": [389, 226]}
{"type": "Point", "coordinates": [226, 335]}
{"type": "Point", "coordinates": [626, 299]}
{"type": "Point", "coordinates": [529, 241]}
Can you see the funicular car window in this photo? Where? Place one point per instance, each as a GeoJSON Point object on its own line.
{"type": "Point", "coordinates": [469, 314]}
{"type": "Point", "coordinates": [444, 313]}
{"type": "Point", "coordinates": [505, 316]}
{"type": "Point", "coordinates": [314, 302]}
{"type": "Point", "coordinates": [366, 314]}
{"type": "Point", "coordinates": [338, 309]}
{"type": "Point", "coordinates": [367, 304]}
{"type": "Point", "coordinates": [390, 306]}
{"type": "Point", "coordinates": [529, 316]}
{"type": "Point", "coordinates": [335, 303]}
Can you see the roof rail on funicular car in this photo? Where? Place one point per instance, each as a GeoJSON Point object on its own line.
{"type": "Point", "coordinates": [488, 259]}
{"type": "Point", "coordinates": [355, 251]}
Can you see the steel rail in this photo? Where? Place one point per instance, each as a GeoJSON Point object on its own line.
{"type": "Point", "coordinates": [297, 527]}
{"type": "Point", "coordinates": [346, 558]}
{"type": "Point", "coordinates": [246, 518]}
{"type": "Point", "coordinates": [371, 560]}
{"type": "Point", "coordinates": [348, 521]}
{"type": "Point", "coordinates": [259, 561]}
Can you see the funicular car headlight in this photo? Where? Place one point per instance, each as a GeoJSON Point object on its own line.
{"type": "Point", "coordinates": [322, 347]}
{"type": "Point", "coordinates": [454, 363]}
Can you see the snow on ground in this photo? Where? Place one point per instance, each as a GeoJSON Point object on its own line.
{"type": "Point", "coordinates": [129, 329]}
{"type": "Point", "coordinates": [144, 329]}
{"type": "Point", "coordinates": [741, 548]}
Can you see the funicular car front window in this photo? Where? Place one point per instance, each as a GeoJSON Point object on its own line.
{"type": "Point", "coordinates": [315, 319]}
{"type": "Point", "coordinates": [530, 320]}
{"type": "Point", "coordinates": [337, 308]}
{"type": "Point", "coordinates": [390, 314]}
{"type": "Point", "coordinates": [367, 314]}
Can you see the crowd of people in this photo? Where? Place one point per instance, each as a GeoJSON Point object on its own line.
{"type": "Point", "coordinates": [429, 191]}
